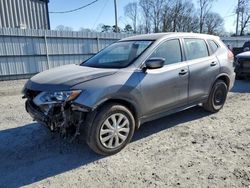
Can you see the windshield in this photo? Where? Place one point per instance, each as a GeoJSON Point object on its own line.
{"type": "Point", "coordinates": [118, 55]}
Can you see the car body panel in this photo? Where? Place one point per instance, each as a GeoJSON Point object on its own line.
{"type": "Point", "coordinates": [64, 77]}
{"type": "Point", "coordinates": [164, 88]}
{"type": "Point", "coordinates": [124, 85]}
{"type": "Point", "coordinates": [202, 75]}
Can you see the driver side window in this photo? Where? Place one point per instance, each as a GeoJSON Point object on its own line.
{"type": "Point", "coordinates": [118, 54]}
{"type": "Point", "coordinates": [170, 51]}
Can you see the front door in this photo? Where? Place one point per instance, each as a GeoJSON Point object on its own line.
{"type": "Point", "coordinates": [165, 88]}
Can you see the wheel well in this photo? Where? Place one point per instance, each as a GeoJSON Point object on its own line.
{"type": "Point", "coordinates": [224, 79]}
{"type": "Point", "coordinates": [128, 105]}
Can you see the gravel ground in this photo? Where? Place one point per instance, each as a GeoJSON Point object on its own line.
{"type": "Point", "coordinates": [189, 149]}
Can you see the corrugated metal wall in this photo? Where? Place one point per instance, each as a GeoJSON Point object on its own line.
{"type": "Point", "coordinates": [30, 14]}
{"type": "Point", "coordinates": [235, 41]}
{"type": "Point", "coordinates": [25, 52]}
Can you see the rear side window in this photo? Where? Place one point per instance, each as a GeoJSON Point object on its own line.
{"type": "Point", "coordinates": [213, 45]}
{"type": "Point", "coordinates": [170, 51]}
{"type": "Point", "coordinates": [196, 48]}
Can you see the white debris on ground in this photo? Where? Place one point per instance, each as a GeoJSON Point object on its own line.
{"type": "Point", "coordinates": [188, 149]}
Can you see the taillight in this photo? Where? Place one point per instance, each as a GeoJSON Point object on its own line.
{"type": "Point", "coordinates": [230, 55]}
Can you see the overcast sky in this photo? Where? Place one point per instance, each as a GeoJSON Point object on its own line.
{"type": "Point", "coordinates": [103, 12]}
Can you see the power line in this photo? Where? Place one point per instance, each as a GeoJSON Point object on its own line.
{"type": "Point", "coordinates": [73, 10]}
{"type": "Point", "coordinates": [98, 17]}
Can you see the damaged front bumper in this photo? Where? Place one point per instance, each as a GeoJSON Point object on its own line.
{"type": "Point", "coordinates": [36, 113]}
{"type": "Point", "coordinates": [65, 117]}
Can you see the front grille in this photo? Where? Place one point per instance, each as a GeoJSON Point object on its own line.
{"type": "Point", "coordinates": [244, 62]}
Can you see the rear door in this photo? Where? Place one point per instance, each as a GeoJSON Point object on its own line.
{"type": "Point", "coordinates": [203, 67]}
{"type": "Point", "coordinates": [165, 88]}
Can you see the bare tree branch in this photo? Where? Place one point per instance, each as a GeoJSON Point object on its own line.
{"type": "Point", "coordinates": [204, 8]}
{"type": "Point", "coordinates": [131, 11]}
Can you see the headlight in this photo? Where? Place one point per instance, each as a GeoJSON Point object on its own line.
{"type": "Point", "coordinates": [56, 97]}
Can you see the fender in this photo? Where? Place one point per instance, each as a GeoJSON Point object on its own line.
{"type": "Point", "coordinates": [225, 75]}
{"type": "Point", "coordinates": [122, 99]}
{"type": "Point", "coordinates": [95, 98]}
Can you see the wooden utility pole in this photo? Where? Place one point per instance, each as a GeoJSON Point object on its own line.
{"type": "Point", "coordinates": [116, 22]}
{"type": "Point", "coordinates": [237, 20]}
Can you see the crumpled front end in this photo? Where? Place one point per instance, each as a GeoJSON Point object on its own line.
{"type": "Point", "coordinates": [56, 110]}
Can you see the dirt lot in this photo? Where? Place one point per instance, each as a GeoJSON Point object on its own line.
{"type": "Point", "coordinates": [189, 149]}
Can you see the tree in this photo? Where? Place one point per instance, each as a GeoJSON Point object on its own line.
{"type": "Point", "coordinates": [128, 29]}
{"type": "Point", "coordinates": [204, 8]}
{"type": "Point", "coordinates": [244, 15]}
{"type": "Point", "coordinates": [140, 29]}
{"type": "Point", "coordinates": [213, 23]}
{"type": "Point", "coordinates": [131, 11]}
{"type": "Point", "coordinates": [189, 20]}
{"type": "Point", "coordinates": [114, 29]}
{"type": "Point", "coordinates": [177, 16]}
{"type": "Point", "coordinates": [176, 11]}
{"type": "Point", "coordinates": [166, 18]}
{"type": "Point", "coordinates": [146, 6]}
{"type": "Point", "coordinates": [156, 14]}
{"type": "Point", "coordinates": [106, 28]}
{"type": "Point", "coordinates": [180, 16]}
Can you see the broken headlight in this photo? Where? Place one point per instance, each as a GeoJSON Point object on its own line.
{"type": "Point", "coordinates": [56, 97]}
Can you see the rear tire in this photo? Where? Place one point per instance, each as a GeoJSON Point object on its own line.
{"type": "Point", "coordinates": [112, 129]}
{"type": "Point", "coordinates": [217, 97]}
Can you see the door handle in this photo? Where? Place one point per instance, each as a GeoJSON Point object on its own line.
{"type": "Point", "coordinates": [213, 64]}
{"type": "Point", "coordinates": [183, 72]}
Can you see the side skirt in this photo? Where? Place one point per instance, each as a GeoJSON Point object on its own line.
{"type": "Point", "coordinates": [145, 119]}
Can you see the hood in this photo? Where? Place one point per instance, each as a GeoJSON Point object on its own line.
{"type": "Point", "coordinates": [65, 77]}
{"type": "Point", "coordinates": [244, 55]}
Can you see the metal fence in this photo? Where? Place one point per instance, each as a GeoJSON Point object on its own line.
{"type": "Point", "coordinates": [26, 52]}
{"type": "Point", "coordinates": [235, 42]}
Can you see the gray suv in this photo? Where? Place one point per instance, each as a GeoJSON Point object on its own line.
{"type": "Point", "coordinates": [132, 81]}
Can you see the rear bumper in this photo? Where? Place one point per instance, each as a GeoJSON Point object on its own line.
{"type": "Point", "coordinates": [232, 80]}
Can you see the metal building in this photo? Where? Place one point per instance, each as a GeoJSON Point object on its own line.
{"type": "Point", "coordinates": [24, 14]}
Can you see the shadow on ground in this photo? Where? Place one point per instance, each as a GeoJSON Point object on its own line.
{"type": "Point", "coordinates": [30, 154]}
{"type": "Point", "coordinates": [241, 86]}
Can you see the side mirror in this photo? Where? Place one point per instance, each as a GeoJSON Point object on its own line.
{"type": "Point", "coordinates": [154, 63]}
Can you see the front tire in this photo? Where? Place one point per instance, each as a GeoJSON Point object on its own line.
{"type": "Point", "coordinates": [112, 129]}
{"type": "Point", "coordinates": [217, 97]}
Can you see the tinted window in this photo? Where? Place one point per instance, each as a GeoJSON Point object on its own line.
{"type": "Point", "coordinates": [170, 50]}
{"type": "Point", "coordinates": [196, 48]}
{"type": "Point", "coordinates": [118, 55]}
{"type": "Point", "coordinates": [213, 45]}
